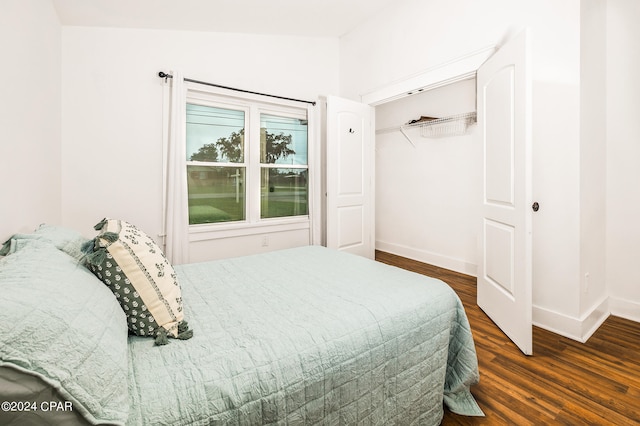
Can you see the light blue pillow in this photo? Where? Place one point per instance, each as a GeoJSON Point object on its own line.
{"type": "Point", "coordinates": [68, 240]}
{"type": "Point", "coordinates": [60, 323]}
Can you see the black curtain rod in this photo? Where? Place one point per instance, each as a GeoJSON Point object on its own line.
{"type": "Point", "coordinates": [166, 76]}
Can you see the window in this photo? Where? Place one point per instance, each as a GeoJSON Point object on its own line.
{"type": "Point", "coordinates": [247, 162]}
{"type": "Point", "coordinates": [283, 166]}
{"type": "Point", "coordinates": [216, 165]}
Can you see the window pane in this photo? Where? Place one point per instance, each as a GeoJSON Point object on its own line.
{"type": "Point", "coordinates": [284, 192]}
{"type": "Point", "coordinates": [216, 194]}
{"type": "Point", "coordinates": [214, 134]}
{"type": "Point", "coordinates": [283, 140]}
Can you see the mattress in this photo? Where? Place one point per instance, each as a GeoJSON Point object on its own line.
{"type": "Point", "coordinates": [29, 401]}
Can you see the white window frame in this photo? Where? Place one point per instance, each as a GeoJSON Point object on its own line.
{"type": "Point", "coordinates": [255, 105]}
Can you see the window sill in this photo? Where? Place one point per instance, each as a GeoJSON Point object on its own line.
{"type": "Point", "coordinates": [239, 229]}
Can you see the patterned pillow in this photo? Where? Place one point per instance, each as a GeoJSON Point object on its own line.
{"type": "Point", "coordinates": [130, 263]}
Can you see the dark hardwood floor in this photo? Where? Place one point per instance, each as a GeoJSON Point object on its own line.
{"type": "Point", "coordinates": [564, 383]}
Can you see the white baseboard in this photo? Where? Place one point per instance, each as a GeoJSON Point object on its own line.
{"type": "Point", "coordinates": [624, 308]}
{"type": "Point", "coordinates": [579, 329]}
{"type": "Point", "coordinates": [434, 259]}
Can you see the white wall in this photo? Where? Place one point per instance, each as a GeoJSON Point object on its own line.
{"type": "Point", "coordinates": [415, 35]}
{"type": "Point", "coordinates": [593, 138]}
{"type": "Point", "coordinates": [112, 109]}
{"type": "Point", "coordinates": [623, 157]}
{"type": "Point", "coordinates": [427, 195]}
{"type": "Point", "coordinates": [29, 116]}
{"type": "Point", "coordinates": [556, 226]}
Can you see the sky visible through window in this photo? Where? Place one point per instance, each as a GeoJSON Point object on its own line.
{"type": "Point", "coordinates": [206, 125]}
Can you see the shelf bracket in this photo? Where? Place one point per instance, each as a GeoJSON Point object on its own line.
{"type": "Point", "coordinates": [407, 136]}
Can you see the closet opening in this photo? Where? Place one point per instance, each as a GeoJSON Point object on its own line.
{"type": "Point", "coordinates": [428, 177]}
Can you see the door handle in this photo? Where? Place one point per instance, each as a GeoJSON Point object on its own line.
{"type": "Point", "coordinates": [535, 206]}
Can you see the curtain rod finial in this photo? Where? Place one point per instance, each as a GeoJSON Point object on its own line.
{"type": "Point", "coordinates": [164, 75]}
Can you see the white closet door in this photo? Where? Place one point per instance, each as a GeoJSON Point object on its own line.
{"type": "Point", "coordinates": [350, 181]}
{"type": "Point", "coordinates": [504, 120]}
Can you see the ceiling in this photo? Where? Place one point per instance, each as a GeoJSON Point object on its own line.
{"type": "Point", "coordinates": [317, 18]}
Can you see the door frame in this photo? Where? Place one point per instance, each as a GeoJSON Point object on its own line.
{"type": "Point", "coordinates": [458, 69]}
{"type": "Point", "coordinates": [461, 68]}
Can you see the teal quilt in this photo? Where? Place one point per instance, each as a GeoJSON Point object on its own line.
{"type": "Point", "coordinates": [307, 336]}
{"type": "Point", "coordinates": [61, 325]}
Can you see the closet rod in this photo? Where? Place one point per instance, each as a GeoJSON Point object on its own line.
{"type": "Point", "coordinates": [166, 76]}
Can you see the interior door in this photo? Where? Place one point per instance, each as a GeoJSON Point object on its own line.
{"type": "Point", "coordinates": [350, 224]}
{"type": "Point", "coordinates": [504, 120]}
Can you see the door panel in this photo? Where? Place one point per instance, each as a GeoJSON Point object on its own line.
{"type": "Point", "coordinates": [504, 119]}
{"type": "Point", "coordinates": [350, 152]}
{"type": "Point", "coordinates": [499, 251]}
{"type": "Point", "coordinates": [351, 223]}
{"type": "Point", "coordinates": [499, 127]}
{"type": "Point", "coordinates": [350, 168]}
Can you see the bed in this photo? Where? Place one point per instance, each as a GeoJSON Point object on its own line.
{"type": "Point", "coordinates": [299, 336]}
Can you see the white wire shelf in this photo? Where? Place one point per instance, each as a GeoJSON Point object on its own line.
{"type": "Point", "coordinates": [454, 125]}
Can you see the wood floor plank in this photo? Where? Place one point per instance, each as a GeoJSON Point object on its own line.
{"type": "Point", "coordinates": [564, 383]}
